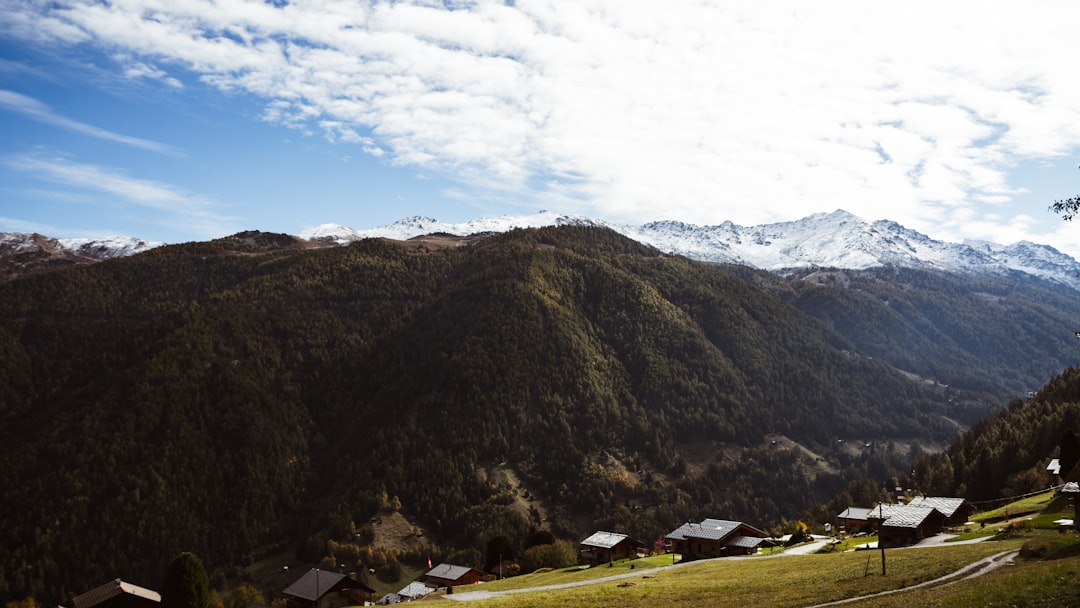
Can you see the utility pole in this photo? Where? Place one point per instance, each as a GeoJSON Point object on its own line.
{"type": "Point", "coordinates": [879, 539]}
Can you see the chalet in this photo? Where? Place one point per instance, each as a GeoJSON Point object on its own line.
{"type": "Point", "coordinates": [449, 575]}
{"type": "Point", "coordinates": [853, 519]}
{"type": "Point", "coordinates": [903, 525]}
{"type": "Point", "coordinates": [118, 594]}
{"type": "Point", "coordinates": [608, 547]}
{"type": "Point", "coordinates": [957, 511]}
{"type": "Point", "coordinates": [716, 538]}
{"type": "Point", "coordinates": [325, 589]}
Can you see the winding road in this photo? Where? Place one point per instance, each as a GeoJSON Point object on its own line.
{"type": "Point", "coordinates": [972, 570]}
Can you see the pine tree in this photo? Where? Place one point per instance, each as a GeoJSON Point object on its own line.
{"type": "Point", "coordinates": [186, 584]}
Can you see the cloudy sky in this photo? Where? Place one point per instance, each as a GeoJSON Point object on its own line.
{"type": "Point", "coordinates": [177, 120]}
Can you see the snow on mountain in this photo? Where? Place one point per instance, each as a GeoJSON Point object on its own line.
{"type": "Point", "coordinates": [97, 249]}
{"type": "Point", "coordinates": [417, 226]}
{"type": "Point", "coordinates": [835, 240]}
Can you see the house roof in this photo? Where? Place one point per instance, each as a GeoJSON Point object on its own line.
{"type": "Point", "coordinates": [709, 529]}
{"type": "Point", "coordinates": [449, 572]}
{"type": "Point", "coordinates": [604, 540]}
{"type": "Point", "coordinates": [414, 590]}
{"type": "Point", "coordinates": [313, 584]}
{"type": "Point", "coordinates": [906, 516]}
{"type": "Point", "coordinates": [113, 589]}
{"type": "Point", "coordinates": [947, 506]}
{"type": "Point", "coordinates": [746, 542]}
{"type": "Point", "coordinates": [859, 513]}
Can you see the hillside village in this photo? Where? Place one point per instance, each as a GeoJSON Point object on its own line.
{"type": "Point", "coordinates": [893, 525]}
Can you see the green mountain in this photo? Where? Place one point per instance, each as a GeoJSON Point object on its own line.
{"type": "Point", "coordinates": [246, 395]}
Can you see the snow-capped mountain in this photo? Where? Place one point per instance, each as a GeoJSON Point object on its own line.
{"type": "Point", "coordinates": [417, 226]}
{"type": "Point", "coordinates": [91, 249]}
{"type": "Point", "coordinates": [838, 239]}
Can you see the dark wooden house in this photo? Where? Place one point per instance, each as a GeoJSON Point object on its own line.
{"type": "Point", "coordinates": [449, 575]}
{"type": "Point", "coordinates": [903, 525]}
{"type": "Point", "coordinates": [325, 589]}
{"type": "Point", "coordinates": [608, 547]}
{"type": "Point", "coordinates": [716, 538]}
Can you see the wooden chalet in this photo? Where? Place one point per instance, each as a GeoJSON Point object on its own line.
{"type": "Point", "coordinates": [325, 589]}
{"type": "Point", "coordinates": [608, 547]}
{"type": "Point", "coordinates": [118, 594]}
{"type": "Point", "coordinates": [449, 575]}
{"type": "Point", "coordinates": [716, 538]}
{"type": "Point", "coordinates": [853, 519]}
{"type": "Point", "coordinates": [903, 525]}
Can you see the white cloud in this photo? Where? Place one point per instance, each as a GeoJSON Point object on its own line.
{"type": "Point", "coordinates": [35, 110]}
{"type": "Point", "coordinates": [700, 111]}
{"type": "Point", "coordinates": [179, 207]}
{"type": "Point", "coordinates": [138, 69]}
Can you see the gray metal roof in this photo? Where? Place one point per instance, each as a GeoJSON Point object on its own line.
{"type": "Point", "coordinates": [313, 584]}
{"type": "Point", "coordinates": [113, 589]}
{"type": "Point", "coordinates": [947, 506]}
{"type": "Point", "coordinates": [906, 516]}
{"type": "Point", "coordinates": [708, 529]}
{"type": "Point", "coordinates": [746, 542]}
{"type": "Point", "coordinates": [449, 572]}
{"type": "Point", "coordinates": [854, 513]}
{"type": "Point", "coordinates": [414, 590]}
{"type": "Point", "coordinates": [604, 540]}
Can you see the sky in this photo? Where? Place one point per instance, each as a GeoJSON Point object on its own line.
{"type": "Point", "coordinates": [181, 120]}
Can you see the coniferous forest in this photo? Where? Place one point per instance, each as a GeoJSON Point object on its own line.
{"type": "Point", "coordinates": [251, 394]}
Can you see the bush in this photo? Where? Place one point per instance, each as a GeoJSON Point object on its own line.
{"type": "Point", "coordinates": [559, 554]}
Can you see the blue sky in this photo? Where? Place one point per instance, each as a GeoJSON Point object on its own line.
{"type": "Point", "coordinates": [194, 119]}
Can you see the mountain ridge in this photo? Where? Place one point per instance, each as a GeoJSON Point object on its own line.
{"type": "Point", "coordinates": [838, 239]}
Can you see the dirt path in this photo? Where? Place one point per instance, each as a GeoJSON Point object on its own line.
{"type": "Point", "coordinates": [972, 570]}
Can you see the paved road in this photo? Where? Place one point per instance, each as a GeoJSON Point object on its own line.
{"type": "Point", "coordinates": [468, 596]}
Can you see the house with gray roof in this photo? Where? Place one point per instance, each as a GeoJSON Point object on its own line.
{"type": "Point", "coordinates": [608, 547]}
{"type": "Point", "coordinates": [326, 589]}
{"type": "Point", "coordinates": [449, 575]}
{"type": "Point", "coordinates": [853, 519]}
{"type": "Point", "coordinates": [901, 525]}
{"type": "Point", "coordinates": [716, 538]}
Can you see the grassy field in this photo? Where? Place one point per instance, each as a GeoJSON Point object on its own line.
{"type": "Point", "coordinates": [1024, 506]}
{"type": "Point", "coordinates": [781, 581]}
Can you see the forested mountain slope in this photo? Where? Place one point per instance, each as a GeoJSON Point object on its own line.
{"type": "Point", "coordinates": [225, 396]}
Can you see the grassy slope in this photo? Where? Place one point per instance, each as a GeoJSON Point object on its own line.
{"type": "Point", "coordinates": [1046, 580]}
{"type": "Point", "coordinates": [785, 581]}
